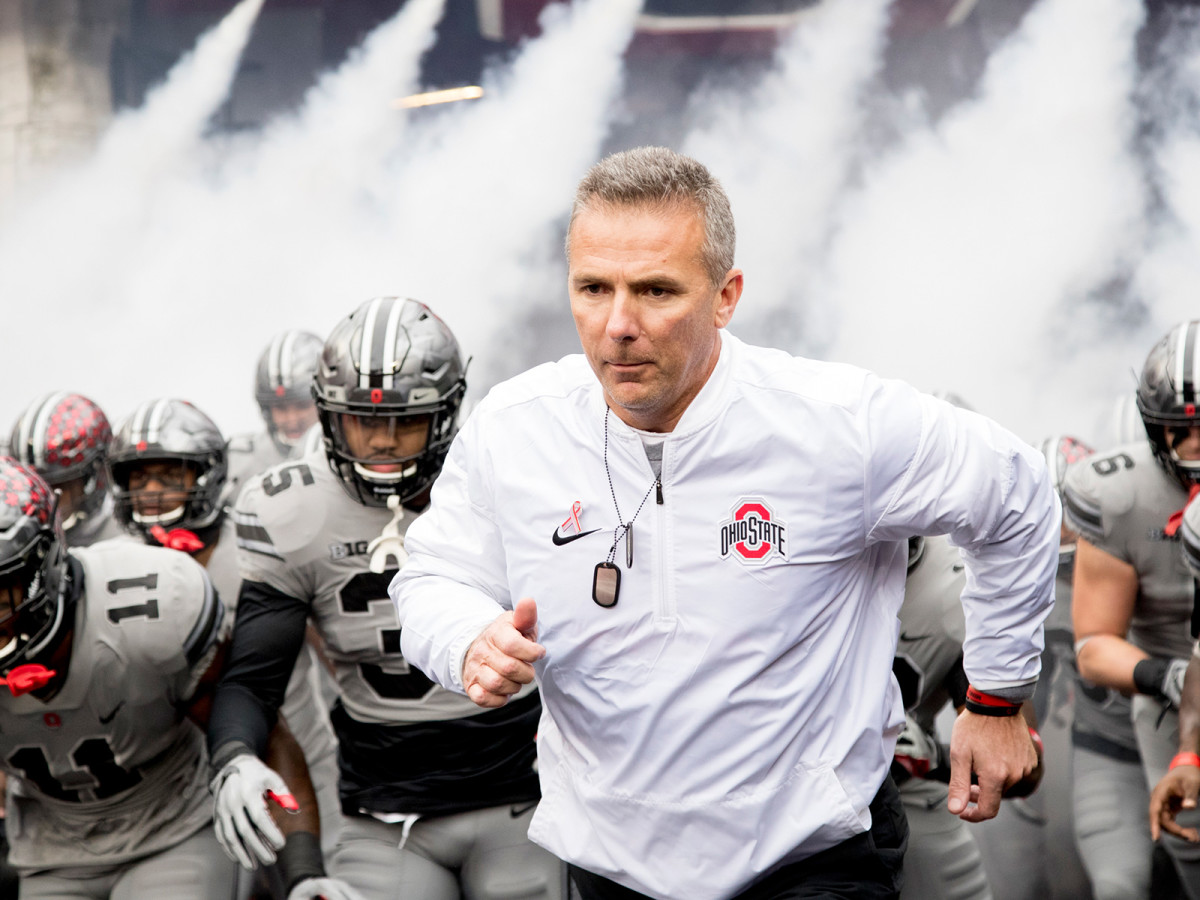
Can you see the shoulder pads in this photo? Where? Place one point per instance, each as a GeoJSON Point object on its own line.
{"type": "Point", "coordinates": [282, 510]}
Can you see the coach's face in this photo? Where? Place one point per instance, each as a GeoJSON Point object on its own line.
{"type": "Point", "coordinates": [647, 313]}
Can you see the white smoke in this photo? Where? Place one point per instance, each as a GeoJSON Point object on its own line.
{"type": "Point", "coordinates": [784, 153]}
{"type": "Point", "coordinates": [969, 247]}
{"type": "Point", "coordinates": [986, 254]}
{"type": "Point", "coordinates": [285, 231]}
{"type": "Point", "coordinates": [65, 257]}
{"type": "Point", "coordinates": [1167, 280]}
{"type": "Point", "coordinates": [233, 239]}
{"type": "Point", "coordinates": [486, 189]}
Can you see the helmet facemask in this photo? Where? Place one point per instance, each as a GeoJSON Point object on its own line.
{"type": "Point", "coordinates": [381, 451]}
{"type": "Point", "coordinates": [34, 600]}
{"type": "Point", "coordinates": [181, 496]}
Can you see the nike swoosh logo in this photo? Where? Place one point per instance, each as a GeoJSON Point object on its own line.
{"type": "Point", "coordinates": [913, 637]}
{"type": "Point", "coordinates": [517, 811]}
{"type": "Point", "coordinates": [958, 567]}
{"type": "Point", "coordinates": [559, 540]}
{"type": "Point", "coordinates": [104, 720]}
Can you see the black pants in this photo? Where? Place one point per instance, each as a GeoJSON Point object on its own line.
{"type": "Point", "coordinates": [864, 867]}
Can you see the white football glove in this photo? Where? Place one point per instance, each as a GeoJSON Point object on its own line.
{"type": "Point", "coordinates": [241, 817]}
{"type": "Point", "coordinates": [323, 889]}
{"type": "Point", "coordinates": [917, 750]}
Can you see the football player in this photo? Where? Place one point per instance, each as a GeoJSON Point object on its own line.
{"type": "Point", "coordinates": [168, 469]}
{"type": "Point", "coordinates": [65, 438]}
{"type": "Point", "coordinates": [283, 391]}
{"type": "Point", "coordinates": [108, 655]}
{"type": "Point", "coordinates": [946, 858]}
{"type": "Point", "coordinates": [1108, 785]}
{"type": "Point", "coordinates": [943, 861]}
{"type": "Point", "coordinates": [1133, 596]}
{"type": "Point", "coordinates": [1178, 789]}
{"type": "Point", "coordinates": [437, 792]}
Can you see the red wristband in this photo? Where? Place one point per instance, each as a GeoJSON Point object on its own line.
{"type": "Point", "coordinates": [1185, 759]}
{"type": "Point", "coordinates": [990, 705]}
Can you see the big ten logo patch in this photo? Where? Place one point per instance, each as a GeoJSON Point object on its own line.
{"type": "Point", "coordinates": [753, 534]}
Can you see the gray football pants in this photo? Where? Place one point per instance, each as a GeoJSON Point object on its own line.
{"type": "Point", "coordinates": [1111, 827]}
{"type": "Point", "coordinates": [942, 861]}
{"type": "Point", "coordinates": [480, 855]}
{"type": "Point", "coordinates": [1158, 740]}
{"type": "Point", "coordinates": [194, 869]}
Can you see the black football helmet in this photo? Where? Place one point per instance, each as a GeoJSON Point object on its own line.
{"type": "Point", "coordinates": [1060, 451]}
{"type": "Point", "coordinates": [33, 558]}
{"type": "Point", "coordinates": [170, 431]}
{"type": "Point", "coordinates": [65, 437]}
{"type": "Point", "coordinates": [391, 358]}
{"type": "Point", "coordinates": [284, 375]}
{"type": "Point", "coordinates": [1167, 397]}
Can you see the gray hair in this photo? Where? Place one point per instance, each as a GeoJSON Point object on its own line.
{"type": "Point", "coordinates": [658, 177]}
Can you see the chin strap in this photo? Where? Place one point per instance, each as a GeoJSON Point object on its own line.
{"type": "Point", "coordinates": [390, 543]}
{"type": "Point", "coordinates": [28, 677]}
{"type": "Point", "coordinates": [1176, 518]}
{"type": "Point", "coordinates": [177, 539]}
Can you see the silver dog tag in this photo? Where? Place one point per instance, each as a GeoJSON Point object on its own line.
{"type": "Point", "coordinates": [606, 584]}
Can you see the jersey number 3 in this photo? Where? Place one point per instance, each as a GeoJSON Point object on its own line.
{"type": "Point", "coordinates": [356, 598]}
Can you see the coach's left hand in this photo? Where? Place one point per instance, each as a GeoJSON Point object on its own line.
{"type": "Point", "coordinates": [998, 751]}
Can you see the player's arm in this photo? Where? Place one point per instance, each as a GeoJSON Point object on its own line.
{"type": "Point", "coordinates": [268, 634]}
{"type": "Point", "coordinates": [1103, 598]}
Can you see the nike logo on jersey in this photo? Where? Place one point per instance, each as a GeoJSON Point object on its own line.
{"type": "Point", "coordinates": [957, 567]}
{"type": "Point", "coordinates": [559, 539]}
{"type": "Point", "coordinates": [104, 720]}
{"type": "Point", "coordinates": [914, 637]}
{"type": "Point", "coordinates": [517, 811]}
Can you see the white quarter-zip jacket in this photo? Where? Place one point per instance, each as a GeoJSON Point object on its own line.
{"type": "Point", "coordinates": [736, 707]}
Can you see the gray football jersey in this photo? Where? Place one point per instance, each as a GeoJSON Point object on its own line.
{"type": "Point", "coordinates": [109, 769]}
{"type": "Point", "coordinates": [302, 534]}
{"type": "Point", "coordinates": [250, 455]}
{"type": "Point", "coordinates": [932, 630]}
{"type": "Point", "coordinates": [304, 709]}
{"type": "Point", "coordinates": [1120, 501]}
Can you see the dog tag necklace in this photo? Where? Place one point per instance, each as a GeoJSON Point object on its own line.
{"type": "Point", "coordinates": [606, 580]}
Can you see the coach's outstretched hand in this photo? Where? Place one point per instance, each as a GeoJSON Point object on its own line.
{"type": "Point", "coordinates": [499, 661]}
{"type": "Point", "coordinates": [998, 751]}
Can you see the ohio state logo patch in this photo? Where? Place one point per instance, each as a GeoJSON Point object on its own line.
{"type": "Point", "coordinates": [753, 533]}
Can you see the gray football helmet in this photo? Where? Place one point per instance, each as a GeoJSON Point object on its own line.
{"type": "Point", "coordinates": [394, 359]}
{"type": "Point", "coordinates": [33, 558]}
{"type": "Point", "coordinates": [284, 375]}
{"type": "Point", "coordinates": [169, 431]}
{"type": "Point", "coordinates": [1167, 397]}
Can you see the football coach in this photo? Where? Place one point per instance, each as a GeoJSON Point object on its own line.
{"type": "Point", "coordinates": [697, 548]}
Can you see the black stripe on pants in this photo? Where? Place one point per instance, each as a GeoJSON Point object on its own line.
{"type": "Point", "coordinates": [868, 866]}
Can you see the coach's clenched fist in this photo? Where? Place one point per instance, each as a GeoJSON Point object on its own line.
{"type": "Point", "coordinates": [499, 661]}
